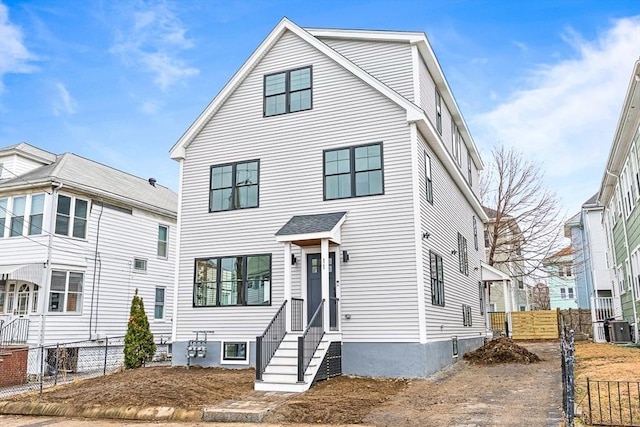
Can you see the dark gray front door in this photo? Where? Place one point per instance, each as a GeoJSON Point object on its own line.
{"type": "Point", "coordinates": [314, 285]}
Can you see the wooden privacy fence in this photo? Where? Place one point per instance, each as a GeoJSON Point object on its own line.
{"type": "Point", "coordinates": [534, 325]}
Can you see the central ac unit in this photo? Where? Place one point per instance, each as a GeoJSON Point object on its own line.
{"type": "Point", "coordinates": [619, 331]}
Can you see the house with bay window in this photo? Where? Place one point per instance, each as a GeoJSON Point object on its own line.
{"type": "Point", "coordinates": [77, 238]}
{"type": "Point", "coordinates": [329, 219]}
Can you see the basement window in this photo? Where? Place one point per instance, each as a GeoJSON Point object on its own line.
{"type": "Point", "coordinates": [235, 352]}
{"type": "Point", "coordinates": [454, 346]}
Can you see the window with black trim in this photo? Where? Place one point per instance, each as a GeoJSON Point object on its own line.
{"type": "Point", "coordinates": [438, 112]}
{"type": "Point", "coordinates": [158, 311]}
{"type": "Point", "coordinates": [228, 281]}
{"type": "Point", "coordinates": [467, 319]}
{"type": "Point", "coordinates": [481, 295]}
{"type": "Point", "coordinates": [456, 148]}
{"type": "Point", "coordinates": [437, 279]}
{"type": "Point", "coordinates": [475, 233]}
{"type": "Point", "coordinates": [287, 92]}
{"type": "Point", "coordinates": [234, 186]}
{"type": "Point", "coordinates": [469, 170]}
{"type": "Point", "coordinates": [463, 257]}
{"type": "Point", "coordinates": [234, 351]}
{"type": "Point", "coordinates": [353, 172]}
{"type": "Point", "coordinates": [428, 178]}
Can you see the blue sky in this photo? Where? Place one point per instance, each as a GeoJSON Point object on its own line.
{"type": "Point", "coordinates": [120, 81]}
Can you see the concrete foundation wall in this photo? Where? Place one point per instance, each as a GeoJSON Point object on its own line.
{"type": "Point", "coordinates": [213, 357]}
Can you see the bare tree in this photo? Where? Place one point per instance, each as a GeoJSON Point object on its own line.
{"type": "Point", "coordinates": [524, 219]}
{"type": "Point", "coordinates": [540, 297]}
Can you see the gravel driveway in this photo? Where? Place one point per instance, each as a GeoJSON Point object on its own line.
{"type": "Point", "coordinates": [473, 395]}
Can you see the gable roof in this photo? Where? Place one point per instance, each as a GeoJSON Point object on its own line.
{"type": "Point", "coordinates": [414, 113]}
{"type": "Point", "coordinates": [178, 150]}
{"type": "Point", "coordinates": [96, 179]}
{"type": "Point", "coordinates": [303, 224]}
{"type": "Point", "coordinates": [557, 257]}
{"type": "Point", "coordinates": [28, 151]}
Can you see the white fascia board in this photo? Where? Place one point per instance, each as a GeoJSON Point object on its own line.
{"type": "Point", "coordinates": [178, 150]}
{"type": "Point", "coordinates": [426, 128]}
{"type": "Point", "coordinates": [440, 80]}
{"type": "Point", "coordinates": [372, 35]}
{"type": "Point", "coordinates": [489, 273]}
{"type": "Point", "coordinates": [625, 132]}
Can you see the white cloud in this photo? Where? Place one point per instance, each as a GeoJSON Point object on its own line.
{"type": "Point", "coordinates": [63, 103]}
{"type": "Point", "coordinates": [153, 42]}
{"type": "Point", "coordinates": [15, 57]}
{"type": "Point", "coordinates": [150, 107]}
{"type": "Point", "coordinates": [566, 113]}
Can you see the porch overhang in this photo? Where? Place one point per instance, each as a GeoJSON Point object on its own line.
{"type": "Point", "coordinates": [492, 274]}
{"type": "Point", "coordinates": [305, 230]}
{"type": "Point", "coordinates": [27, 272]}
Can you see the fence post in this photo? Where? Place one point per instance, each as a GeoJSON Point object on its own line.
{"type": "Point", "coordinates": [570, 380]}
{"type": "Point", "coordinates": [106, 351]}
{"type": "Point", "coordinates": [41, 369]}
{"type": "Point", "coordinates": [57, 365]}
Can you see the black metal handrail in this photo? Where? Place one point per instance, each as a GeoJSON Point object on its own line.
{"type": "Point", "coordinates": [268, 342]}
{"type": "Point", "coordinates": [309, 340]}
{"type": "Point", "coordinates": [14, 332]}
{"type": "Point", "coordinates": [297, 305]}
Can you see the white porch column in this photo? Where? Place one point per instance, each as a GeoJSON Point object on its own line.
{"type": "Point", "coordinates": [287, 282]}
{"type": "Point", "coordinates": [324, 254]}
{"type": "Point", "coordinates": [506, 296]}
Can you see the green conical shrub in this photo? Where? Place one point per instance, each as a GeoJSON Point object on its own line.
{"type": "Point", "coordinates": [138, 343]}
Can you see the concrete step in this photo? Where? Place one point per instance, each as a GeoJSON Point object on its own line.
{"type": "Point", "coordinates": [281, 386]}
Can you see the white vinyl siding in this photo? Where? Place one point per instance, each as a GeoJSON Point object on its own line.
{"type": "Point", "coordinates": [450, 208]}
{"type": "Point", "coordinates": [346, 112]}
{"type": "Point", "coordinates": [386, 61]}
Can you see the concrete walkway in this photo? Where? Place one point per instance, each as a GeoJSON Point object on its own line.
{"type": "Point", "coordinates": [252, 408]}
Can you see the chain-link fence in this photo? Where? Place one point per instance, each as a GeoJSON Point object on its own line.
{"type": "Point", "coordinates": [24, 369]}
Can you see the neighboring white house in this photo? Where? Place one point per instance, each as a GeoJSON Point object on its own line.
{"type": "Point", "coordinates": [506, 257]}
{"type": "Point", "coordinates": [77, 238]}
{"type": "Point", "coordinates": [334, 166]}
{"type": "Point", "coordinates": [594, 288]}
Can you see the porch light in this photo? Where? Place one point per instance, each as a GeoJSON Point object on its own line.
{"type": "Point", "coordinates": [345, 256]}
{"type": "Point", "coordinates": [453, 252]}
{"type": "Point", "coordinates": [293, 259]}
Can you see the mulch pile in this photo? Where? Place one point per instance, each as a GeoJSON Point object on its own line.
{"type": "Point", "coordinates": [501, 350]}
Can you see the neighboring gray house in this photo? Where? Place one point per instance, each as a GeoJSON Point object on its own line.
{"type": "Point", "coordinates": [77, 238]}
{"type": "Point", "coordinates": [333, 175]}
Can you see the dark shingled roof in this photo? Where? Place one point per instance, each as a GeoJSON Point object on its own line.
{"type": "Point", "coordinates": [303, 224]}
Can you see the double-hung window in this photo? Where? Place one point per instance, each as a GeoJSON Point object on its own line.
{"type": "Point", "coordinates": [287, 92]}
{"type": "Point", "coordinates": [71, 217]}
{"type": "Point", "coordinates": [158, 312]}
{"type": "Point", "coordinates": [475, 233]}
{"type": "Point", "coordinates": [469, 168]}
{"type": "Point", "coordinates": [65, 295]}
{"type": "Point", "coordinates": [437, 279]}
{"type": "Point", "coordinates": [239, 280]}
{"type": "Point", "coordinates": [353, 172]}
{"type": "Point", "coordinates": [3, 215]}
{"type": "Point", "coordinates": [163, 241]}
{"type": "Point", "coordinates": [428, 178]}
{"type": "Point", "coordinates": [17, 217]}
{"type": "Point", "coordinates": [463, 258]}
{"type": "Point", "coordinates": [438, 112]}
{"type": "Point", "coordinates": [234, 186]}
{"type": "Point", "coordinates": [37, 213]}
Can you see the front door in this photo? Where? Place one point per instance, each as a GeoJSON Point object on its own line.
{"type": "Point", "coordinates": [314, 286]}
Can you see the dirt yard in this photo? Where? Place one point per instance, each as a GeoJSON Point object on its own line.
{"type": "Point", "coordinates": [463, 394]}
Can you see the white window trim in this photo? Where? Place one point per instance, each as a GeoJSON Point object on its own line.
{"type": "Point", "coordinates": [47, 298]}
{"type": "Point", "coordinates": [166, 241]}
{"type": "Point", "coordinates": [72, 217]}
{"type": "Point", "coordinates": [139, 270]}
{"type": "Point", "coordinates": [224, 361]}
{"type": "Point", "coordinates": [164, 305]}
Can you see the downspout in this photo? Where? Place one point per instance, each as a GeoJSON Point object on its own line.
{"type": "Point", "coordinates": [55, 186]}
{"type": "Point", "coordinates": [95, 264]}
{"type": "Point", "coordinates": [626, 246]}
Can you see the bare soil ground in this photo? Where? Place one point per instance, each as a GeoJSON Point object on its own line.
{"type": "Point", "coordinates": [608, 362]}
{"type": "Point", "coordinates": [463, 394]}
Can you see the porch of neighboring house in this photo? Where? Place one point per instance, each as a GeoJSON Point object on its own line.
{"type": "Point", "coordinates": [302, 343]}
{"type": "Point", "coordinates": [498, 322]}
{"type": "Point", "coordinates": [20, 297]}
